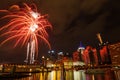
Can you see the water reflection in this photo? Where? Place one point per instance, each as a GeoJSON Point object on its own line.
{"type": "Point", "coordinates": [108, 75]}
{"type": "Point", "coordinates": [79, 75]}
{"type": "Point", "coordinates": [71, 75]}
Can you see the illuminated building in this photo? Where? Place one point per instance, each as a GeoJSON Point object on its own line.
{"type": "Point", "coordinates": [68, 64]}
{"type": "Point", "coordinates": [60, 55]}
{"type": "Point", "coordinates": [115, 53]}
{"type": "Point", "coordinates": [80, 50]}
{"type": "Point", "coordinates": [78, 56]}
{"type": "Point", "coordinates": [104, 56]}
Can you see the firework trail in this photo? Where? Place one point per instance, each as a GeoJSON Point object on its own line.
{"type": "Point", "coordinates": [25, 25]}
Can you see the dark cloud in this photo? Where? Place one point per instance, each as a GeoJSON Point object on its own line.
{"type": "Point", "coordinates": [92, 6]}
{"type": "Point", "coordinates": [62, 13]}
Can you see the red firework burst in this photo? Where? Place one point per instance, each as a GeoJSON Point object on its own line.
{"type": "Point", "coordinates": [24, 24]}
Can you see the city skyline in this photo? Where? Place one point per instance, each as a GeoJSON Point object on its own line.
{"type": "Point", "coordinates": [72, 22]}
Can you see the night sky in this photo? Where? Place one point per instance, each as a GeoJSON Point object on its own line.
{"type": "Point", "coordinates": [73, 21]}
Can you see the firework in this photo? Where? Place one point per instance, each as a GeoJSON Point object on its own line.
{"type": "Point", "coordinates": [25, 25]}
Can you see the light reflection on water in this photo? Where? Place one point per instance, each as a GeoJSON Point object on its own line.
{"type": "Point", "coordinates": [70, 75]}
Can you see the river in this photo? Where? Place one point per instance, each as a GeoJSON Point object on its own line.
{"type": "Point", "coordinates": [73, 75]}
